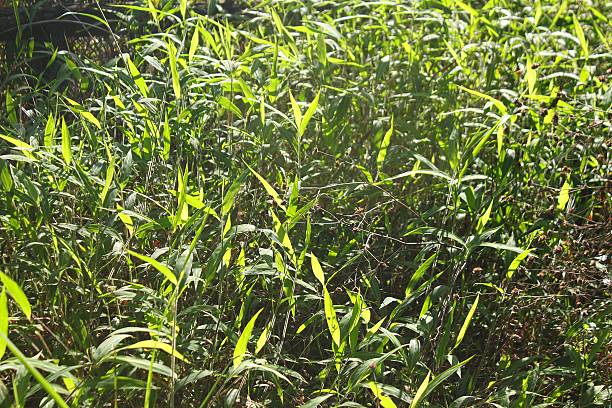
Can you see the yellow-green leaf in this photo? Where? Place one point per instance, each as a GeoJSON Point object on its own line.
{"type": "Point", "coordinates": [66, 143]}
{"type": "Point", "coordinates": [263, 338]}
{"type": "Point", "coordinates": [316, 269]}
{"type": "Point", "coordinates": [158, 345]}
{"type": "Point", "coordinates": [138, 79]}
{"type": "Point", "coordinates": [516, 262]}
{"type": "Point", "coordinates": [419, 394]}
{"type": "Point", "coordinates": [176, 83]}
{"type": "Point", "coordinates": [270, 190]}
{"type": "Point", "coordinates": [467, 321]}
{"type": "Point", "coordinates": [243, 340]}
{"type": "Point", "coordinates": [484, 219]}
{"type": "Point", "coordinates": [17, 294]}
{"type": "Point", "coordinates": [49, 131]}
{"type": "Point", "coordinates": [531, 76]}
{"type": "Point", "coordinates": [3, 321]}
{"type": "Point", "coordinates": [382, 152]}
{"type": "Point", "coordinates": [330, 316]}
{"type": "Point", "coordinates": [157, 265]}
{"type": "Point", "coordinates": [563, 195]}
{"type": "Point", "coordinates": [126, 219]}
{"type": "Point", "coordinates": [581, 37]}
{"type": "Point", "coordinates": [297, 113]}
{"type": "Point", "coordinates": [385, 401]}
{"type": "Point", "coordinates": [195, 42]}
{"type": "Point", "coordinates": [498, 104]}
{"type": "Point", "coordinates": [19, 144]}
{"type": "Point", "coordinates": [91, 118]}
{"type": "Point", "coordinates": [308, 115]}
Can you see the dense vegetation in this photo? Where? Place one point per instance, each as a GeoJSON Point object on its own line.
{"type": "Point", "coordinates": [329, 203]}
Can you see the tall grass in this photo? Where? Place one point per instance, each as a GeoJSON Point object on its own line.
{"type": "Point", "coordinates": [311, 203]}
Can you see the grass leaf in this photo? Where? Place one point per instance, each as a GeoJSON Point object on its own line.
{"type": "Point", "coordinates": [466, 322]}
{"type": "Point", "coordinates": [330, 317]}
{"type": "Point", "coordinates": [157, 265]}
{"type": "Point", "coordinates": [243, 340]}
{"type": "Point", "coordinates": [384, 145]}
{"type": "Point", "coordinates": [17, 294]}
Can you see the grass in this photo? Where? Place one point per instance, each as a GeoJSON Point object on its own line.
{"type": "Point", "coordinates": [311, 203]}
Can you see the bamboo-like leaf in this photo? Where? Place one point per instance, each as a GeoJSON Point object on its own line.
{"type": "Point", "coordinates": [3, 321]}
{"type": "Point", "coordinates": [440, 378]}
{"type": "Point", "coordinates": [315, 402]}
{"type": "Point", "coordinates": [17, 294]}
{"type": "Point", "coordinates": [183, 7]}
{"type": "Point", "coordinates": [19, 144]}
{"type": "Point", "coordinates": [66, 143]}
{"type": "Point", "coordinates": [157, 265]}
{"type": "Point", "coordinates": [137, 77]}
{"type": "Point", "coordinates": [382, 152]}
{"type": "Point", "coordinates": [243, 340]}
{"type": "Point", "coordinates": [418, 274]}
{"type": "Point", "coordinates": [580, 35]}
{"type": "Point", "coordinates": [484, 218]}
{"type": "Point", "coordinates": [466, 322]}
{"type": "Point", "coordinates": [110, 173]}
{"type": "Point", "coordinates": [516, 262]}
{"type": "Point", "coordinates": [498, 104]}
{"type": "Point", "coordinates": [297, 113]}
{"type": "Point", "coordinates": [531, 76]}
{"type": "Point", "coordinates": [312, 108]}
{"type": "Point", "coordinates": [263, 338]}
{"type": "Point", "coordinates": [49, 131]}
{"type": "Point", "coordinates": [316, 269]}
{"type": "Point", "coordinates": [176, 82]}
{"type": "Point", "coordinates": [269, 189]}
{"type": "Point", "coordinates": [385, 401]}
{"type": "Point", "coordinates": [126, 219]}
{"type": "Point", "coordinates": [564, 195]}
{"type": "Point", "coordinates": [195, 42]}
{"type": "Point", "coordinates": [420, 391]}
{"type": "Point", "coordinates": [158, 345]}
{"type": "Point", "coordinates": [330, 316]}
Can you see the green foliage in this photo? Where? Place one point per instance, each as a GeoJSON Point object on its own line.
{"type": "Point", "coordinates": [448, 163]}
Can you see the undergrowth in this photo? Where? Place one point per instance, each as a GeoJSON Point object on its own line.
{"type": "Point", "coordinates": [316, 203]}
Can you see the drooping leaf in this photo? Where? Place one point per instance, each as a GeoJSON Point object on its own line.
{"type": "Point", "coordinates": [158, 345]}
{"type": "Point", "coordinates": [484, 219]}
{"type": "Point", "coordinates": [22, 145]}
{"type": "Point", "coordinates": [157, 265]}
{"type": "Point", "coordinates": [17, 294]}
{"type": "Point", "coordinates": [49, 389]}
{"type": "Point", "coordinates": [176, 82]}
{"type": "Point", "coordinates": [269, 189]}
